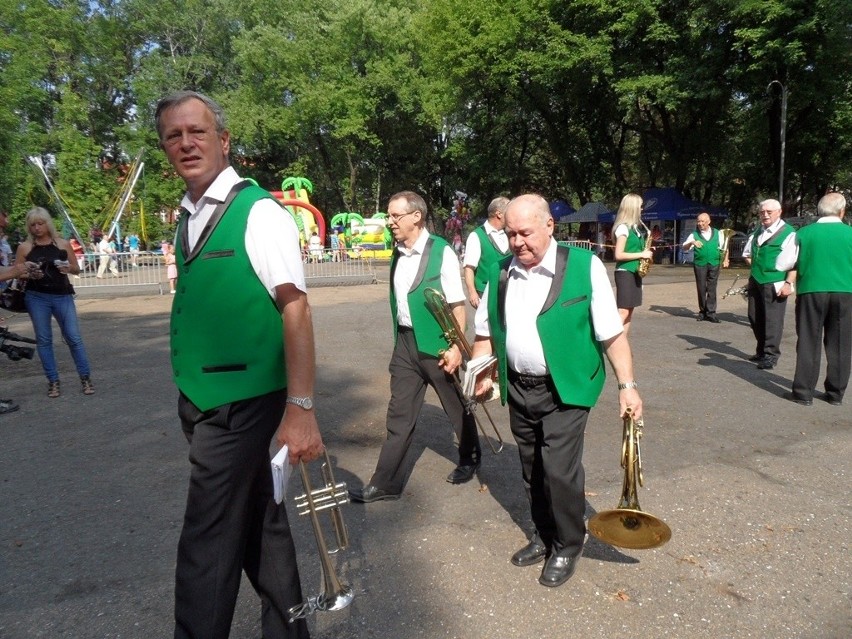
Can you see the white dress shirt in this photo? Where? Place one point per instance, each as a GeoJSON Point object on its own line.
{"type": "Point", "coordinates": [765, 235]}
{"type": "Point", "coordinates": [789, 255]}
{"type": "Point", "coordinates": [271, 239]}
{"type": "Point", "coordinates": [473, 249]}
{"type": "Point", "coordinates": [407, 265]}
{"type": "Point", "coordinates": [706, 235]}
{"type": "Point", "coordinates": [526, 293]}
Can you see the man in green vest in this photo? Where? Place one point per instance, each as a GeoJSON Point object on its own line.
{"type": "Point", "coordinates": [242, 352]}
{"type": "Point", "coordinates": [822, 258]}
{"type": "Point", "coordinates": [484, 246]}
{"type": "Point", "coordinates": [710, 252]}
{"type": "Point", "coordinates": [421, 354]}
{"type": "Point", "coordinates": [549, 315]}
{"type": "Point", "coordinates": [767, 289]}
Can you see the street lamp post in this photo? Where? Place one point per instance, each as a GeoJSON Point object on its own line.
{"type": "Point", "coordinates": [783, 138]}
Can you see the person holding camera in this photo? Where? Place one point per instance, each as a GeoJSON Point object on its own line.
{"type": "Point", "coordinates": [50, 294]}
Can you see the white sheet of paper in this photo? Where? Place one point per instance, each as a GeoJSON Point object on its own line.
{"type": "Point", "coordinates": [281, 469]}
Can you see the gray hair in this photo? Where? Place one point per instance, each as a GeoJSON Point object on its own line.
{"type": "Point", "coordinates": [831, 204]}
{"type": "Point", "coordinates": [413, 202]}
{"type": "Point", "coordinates": [498, 205]}
{"type": "Point", "coordinates": [537, 205]}
{"type": "Point", "coordinates": [775, 204]}
{"type": "Point", "coordinates": [179, 97]}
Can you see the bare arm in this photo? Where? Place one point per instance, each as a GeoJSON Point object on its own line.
{"type": "Point", "coordinates": [298, 429]}
{"type": "Point", "coordinates": [472, 295]}
{"type": "Point", "coordinates": [618, 353]}
{"type": "Point", "coordinates": [452, 357]}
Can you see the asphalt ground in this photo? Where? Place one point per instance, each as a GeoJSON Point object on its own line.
{"type": "Point", "coordinates": [756, 490]}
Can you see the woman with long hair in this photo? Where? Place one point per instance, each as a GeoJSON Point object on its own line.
{"type": "Point", "coordinates": [629, 249]}
{"type": "Point", "coordinates": [50, 294]}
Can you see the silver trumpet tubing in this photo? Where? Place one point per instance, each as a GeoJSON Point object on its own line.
{"type": "Point", "coordinates": [453, 333]}
{"type": "Point", "coordinates": [334, 595]}
{"type": "Point", "coordinates": [733, 289]}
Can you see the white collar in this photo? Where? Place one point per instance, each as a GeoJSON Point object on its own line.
{"type": "Point", "coordinates": [546, 266]}
{"type": "Point", "coordinates": [419, 245]}
{"type": "Point", "coordinates": [217, 191]}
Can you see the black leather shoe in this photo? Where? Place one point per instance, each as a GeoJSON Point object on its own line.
{"type": "Point", "coordinates": [558, 570]}
{"type": "Point", "coordinates": [713, 319]}
{"type": "Point", "coordinates": [767, 363]}
{"type": "Point", "coordinates": [799, 400]}
{"type": "Point", "coordinates": [463, 473]}
{"type": "Point", "coordinates": [833, 401]}
{"type": "Point", "coordinates": [369, 493]}
{"type": "Point", "coordinates": [530, 554]}
{"type": "Point", "coordinates": [756, 358]}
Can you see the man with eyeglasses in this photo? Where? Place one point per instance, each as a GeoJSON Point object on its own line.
{"type": "Point", "coordinates": [768, 287]}
{"type": "Point", "coordinates": [421, 355]}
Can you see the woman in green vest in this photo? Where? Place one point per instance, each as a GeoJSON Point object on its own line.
{"type": "Point", "coordinates": [629, 249]}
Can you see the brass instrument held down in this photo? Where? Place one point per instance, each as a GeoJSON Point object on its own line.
{"type": "Point", "coordinates": [734, 290]}
{"type": "Point", "coordinates": [453, 333]}
{"type": "Point", "coordinates": [644, 262]}
{"type": "Point", "coordinates": [727, 234]}
{"type": "Point", "coordinates": [335, 595]}
{"type": "Point", "coordinates": [628, 526]}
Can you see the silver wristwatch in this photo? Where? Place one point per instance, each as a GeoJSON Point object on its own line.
{"type": "Point", "coordinates": [302, 402]}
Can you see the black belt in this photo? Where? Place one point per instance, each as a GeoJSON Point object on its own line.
{"type": "Point", "coordinates": [404, 329]}
{"type": "Point", "coordinates": [528, 381]}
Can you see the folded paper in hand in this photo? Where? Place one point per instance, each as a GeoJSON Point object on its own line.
{"type": "Point", "coordinates": [280, 474]}
{"type": "Point", "coordinates": [472, 371]}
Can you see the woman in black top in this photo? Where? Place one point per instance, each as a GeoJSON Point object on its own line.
{"type": "Point", "coordinates": [50, 294]}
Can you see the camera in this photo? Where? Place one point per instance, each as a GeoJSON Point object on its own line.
{"type": "Point", "coordinates": [13, 351]}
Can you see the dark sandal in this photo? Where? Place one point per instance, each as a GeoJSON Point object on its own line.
{"type": "Point", "coordinates": [53, 389]}
{"type": "Point", "coordinates": [88, 387]}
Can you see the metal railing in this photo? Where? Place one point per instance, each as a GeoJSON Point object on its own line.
{"type": "Point", "coordinates": [149, 269]}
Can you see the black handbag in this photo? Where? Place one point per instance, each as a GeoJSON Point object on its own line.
{"type": "Point", "coordinates": [12, 297]}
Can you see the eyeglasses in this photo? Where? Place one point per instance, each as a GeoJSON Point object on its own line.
{"type": "Point", "coordinates": [397, 218]}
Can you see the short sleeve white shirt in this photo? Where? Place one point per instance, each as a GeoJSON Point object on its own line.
{"type": "Point", "coordinates": [473, 248]}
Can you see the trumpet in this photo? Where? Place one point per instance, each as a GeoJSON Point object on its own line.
{"type": "Point", "coordinates": [334, 595]}
{"type": "Point", "coordinates": [627, 526]}
{"type": "Point", "coordinates": [734, 290]}
{"type": "Point", "coordinates": [453, 333]}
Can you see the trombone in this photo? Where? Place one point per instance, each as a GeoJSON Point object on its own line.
{"type": "Point", "coordinates": [334, 595]}
{"type": "Point", "coordinates": [453, 333]}
{"type": "Point", "coordinates": [627, 526]}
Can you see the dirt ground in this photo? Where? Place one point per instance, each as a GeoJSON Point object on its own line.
{"type": "Point", "coordinates": [754, 487]}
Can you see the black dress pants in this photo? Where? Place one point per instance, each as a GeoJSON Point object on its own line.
{"type": "Point", "coordinates": [232, 522]}
{"type": "Point", "coordinates": [411, 372]}
{"type": "Point", "coordinates": [550, 438]}
{"type": "Point", "coordinates": [706, 283]}
{"type": "Point", "coordinates": [826, 318]}
{"type": "Point", "coordinates": [766, 316]}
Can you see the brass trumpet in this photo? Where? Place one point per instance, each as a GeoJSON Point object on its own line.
{"type": "Point", "coordinates": [627, 526]}
{"type": "Point", "coordinates": [453, 333]}
{"type": "Point", "coordinates": [335, 595]}
{"type": "Point", "coordinates": [734, 290]}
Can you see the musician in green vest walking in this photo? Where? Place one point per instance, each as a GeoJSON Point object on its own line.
{"type": "Point", "coordinates": [242, 350]}
{"type": "Point", "coordinates": [710, 252]}
{"type": "Point", "coordinates": [421, 355]}
{"type": "Point", "coordinates": [767, 288]}
{"type": "Point", "coordinates": [821, 255]}
{"type": "Point", "coordinates": [549, 315]}
{"type": "Point", "coordinates": [484, 246]}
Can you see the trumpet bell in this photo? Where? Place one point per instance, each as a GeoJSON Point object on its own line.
{"type": "Point", "coordinates": [628, 528]}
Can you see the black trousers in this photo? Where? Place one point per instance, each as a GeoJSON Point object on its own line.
{"type": "Point", "coordinates": [706, 282]}
{"type": "Point", "coordinates": [766, 316]}
{"type": "Point", "coordinates": [826, 318]}
{"type": "Point", "coordinates": [411, 372]}
{"type": "Point", "coordinates": [232, 522]}
{"type": "Point", "coordinates": [550, 439]}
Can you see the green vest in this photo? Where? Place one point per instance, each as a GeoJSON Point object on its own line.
{"type": "Point", "coordinates": [427, 332]}
{"type": "Point", "coordinates": [763, 257]}
{"type": "Point", "coordinates": [574, 357]}
{"type": "Point", "coordinates": [227, 341]}
{"type": "Point", "coordinates": [708, 254]}
{"type": "Point", "coordinates": [825, 259]}
{"type": "Point", "coordinates": [634, 244]}
{"type": "Point", "coordinates": [489, 253]}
